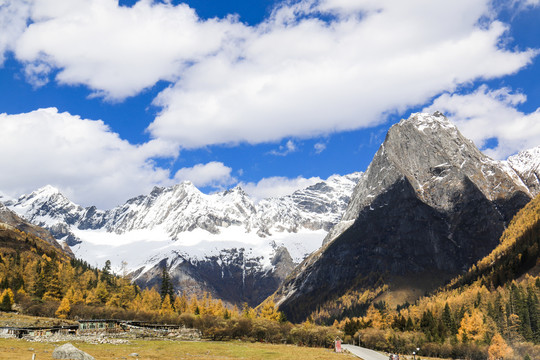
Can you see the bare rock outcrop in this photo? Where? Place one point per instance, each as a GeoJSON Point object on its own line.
{"type": "Point", "coordinates": [429, 203]}
{"type": "Point", "coordinates": [68, 351]}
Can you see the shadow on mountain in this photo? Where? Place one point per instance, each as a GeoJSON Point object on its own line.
{"type": "Point", "coordinates": [398, 235]}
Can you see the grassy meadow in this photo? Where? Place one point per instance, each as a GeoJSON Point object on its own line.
{"type": "Point", "coordinates": [14, 349]}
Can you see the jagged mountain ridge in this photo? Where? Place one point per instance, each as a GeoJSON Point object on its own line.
{"type": "Point", "coordinates": [241, 251]}
{"type": "Point", "coordinates": [224, 243]}
{"type": "Point", "coordinates": [183, 207]}
{"type": "Point", "coordinates": [429, 205]}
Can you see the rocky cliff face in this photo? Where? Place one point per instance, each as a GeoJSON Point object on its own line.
{"type": "Point", "coordinates": [223, 243]}
{"type": "Point", "coordinates": [430, 202]}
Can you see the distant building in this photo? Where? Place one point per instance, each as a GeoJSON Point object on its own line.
{"type": "Point", "coordinates": [97, 326]}
{"type": "Point", "coordinates": [105, 326]}
{"type": "Point", "coordinates": [19, 332]}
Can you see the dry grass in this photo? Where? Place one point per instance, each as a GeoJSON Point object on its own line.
{"type": "Point", "coordinates": [16, 320]}
{"type": "Point", "coordinates": [411, 288]}
{"type": "Point", "coordinates": [14, 349]}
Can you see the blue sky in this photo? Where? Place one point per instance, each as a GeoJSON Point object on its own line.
{"type": "Point", "coordinates": [105, 100]}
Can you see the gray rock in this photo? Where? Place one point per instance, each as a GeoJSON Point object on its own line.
{"type": "Point", "coordinates": [68, 351]}
{"type": "Point", "coordinates": [429, 203]}
{"type": "Point", "coordinates": [134, 355]}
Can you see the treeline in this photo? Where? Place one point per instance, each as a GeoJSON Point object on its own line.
{"type": "Point", "coordinates": [37, 279]}
{"type": "Point", "coordinates": [463, 323]}
{"type": "Point", "coordinates": [492, 311]}
{"type": "Point", "coordinates": [517, 252]}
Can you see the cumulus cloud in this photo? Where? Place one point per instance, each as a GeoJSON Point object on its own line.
{"type": "Point", "coordinates": [492, 114]}
{"type": "Point", "coordinates": [118, 51]}
{"type": "Point", "coordinates": [88, 162]}
{"type": "Point", "coordinates": [277, 186]}
{"type": "Point", "coordinates": [214, 174]}
{"type": "Point", "coordinates": [313, 67]}
{"type": "Point", "coordinates": [296, 75]}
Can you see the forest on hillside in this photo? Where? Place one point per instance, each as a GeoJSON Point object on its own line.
{"type": "Point", "coordinates": [492, 311]}
{"type": "Point", "coordinates": [37, 279]}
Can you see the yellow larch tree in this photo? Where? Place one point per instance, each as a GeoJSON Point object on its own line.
{"type": "Point", "coordinates": [101, 292]}
{"type": "Point", "coordinates": [472, 327]}
{"type": "Point", "coordinates": [194, 305]}
{"type": "Point", "coordinates": [269, 311]}
{"type": "Point", "coordinates": [375, 316]}
{"type": "Point", "coordinates": [181, 304]}
{"type": "Point", "coordinates": [166, 306]}
{"type": "Point", "coordinates": [499, 349]}
{"type": "Point", "coordinates": [63, 310]}
{"type": "Point", "coordinates": [151, 300]}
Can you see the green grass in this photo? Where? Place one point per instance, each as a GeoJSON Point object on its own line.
{"type": "Point", "coordinates": [14, 349]}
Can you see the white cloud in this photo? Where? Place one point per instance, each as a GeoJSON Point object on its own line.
{"type": "Point", "coordinates": [37, 73]}
{"type": "Point", "coordinates": [522, 4]}
{"type": "Point", "coordinates": [84, 158]}
{"type": "Point", "coordinates": [214, 174]}
{"type": "Point", "coordinates": [486, 114]}
{"type": "Point", "coordinates": [13, 16]}
{"type": "Point", "coordinates": [284, 150]}
{"type": "Point", "coordinates": [298, 76]}
{"type": "Point", "coordinates": [319, 147]}
{"type": "Point", "coordinates": [119, 51]}
{"type": "Point", "coordinates": [277, 186]}
{"type": "Point", "coordinates": [294, 75]}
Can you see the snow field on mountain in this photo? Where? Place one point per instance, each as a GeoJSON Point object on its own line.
{"type": "Point", "coordinates": [144, 248]}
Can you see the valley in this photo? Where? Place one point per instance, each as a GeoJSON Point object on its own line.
{"type": "Point", "coordinates": [431, 235]}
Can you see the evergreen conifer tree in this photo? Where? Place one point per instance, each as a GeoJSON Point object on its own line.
{"type": "Point", "coordinates": [166, 284]}
{"type": "Point", "coordinates": [6, 302]}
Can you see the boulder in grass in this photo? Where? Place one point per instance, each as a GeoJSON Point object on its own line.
{"type": "Point", "coordinates": [68, 351]}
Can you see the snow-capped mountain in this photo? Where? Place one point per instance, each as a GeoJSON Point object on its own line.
{"type": "Point", "coordinates": [429, 201]}
{"type": "Point", "coordinates": [527, 165]}
{"type": "Point", "coordinates": [429, 205]}
{"type": "Point", "coordinates": [208, 241]}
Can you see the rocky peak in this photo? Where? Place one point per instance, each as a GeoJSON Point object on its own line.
{"type": "Point", "coordinates": [430, 123]}
{"type": "Point", "coordinates": [427, 148]}
{"type": "Point", "coordinates": [527, 165]}
{"type": "Point", "coordinates": [527, 160]}
{"type": "Point", "coordinates": [236, 194]}
{"type": "Point", "coordinates": [46, 191]}
{"type": "Point", "coordinates": [436, 159]}
{"type": "Point", "coordinates": [430, 201]}
{"type": "Point", "coordinates": [46, 206]}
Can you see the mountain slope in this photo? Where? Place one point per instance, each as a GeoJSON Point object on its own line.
{"type": "Point", "coordinates": [502, 287]}
{"type": "Point", "coordinates": [429, 206]}
{"type": "Point", "coordinates": [517, 253]}
{"type": "Point", "coordinates": [11, 219]}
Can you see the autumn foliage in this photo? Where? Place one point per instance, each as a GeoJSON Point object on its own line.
{"type": "Point", "coordinates": [492, 311]}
